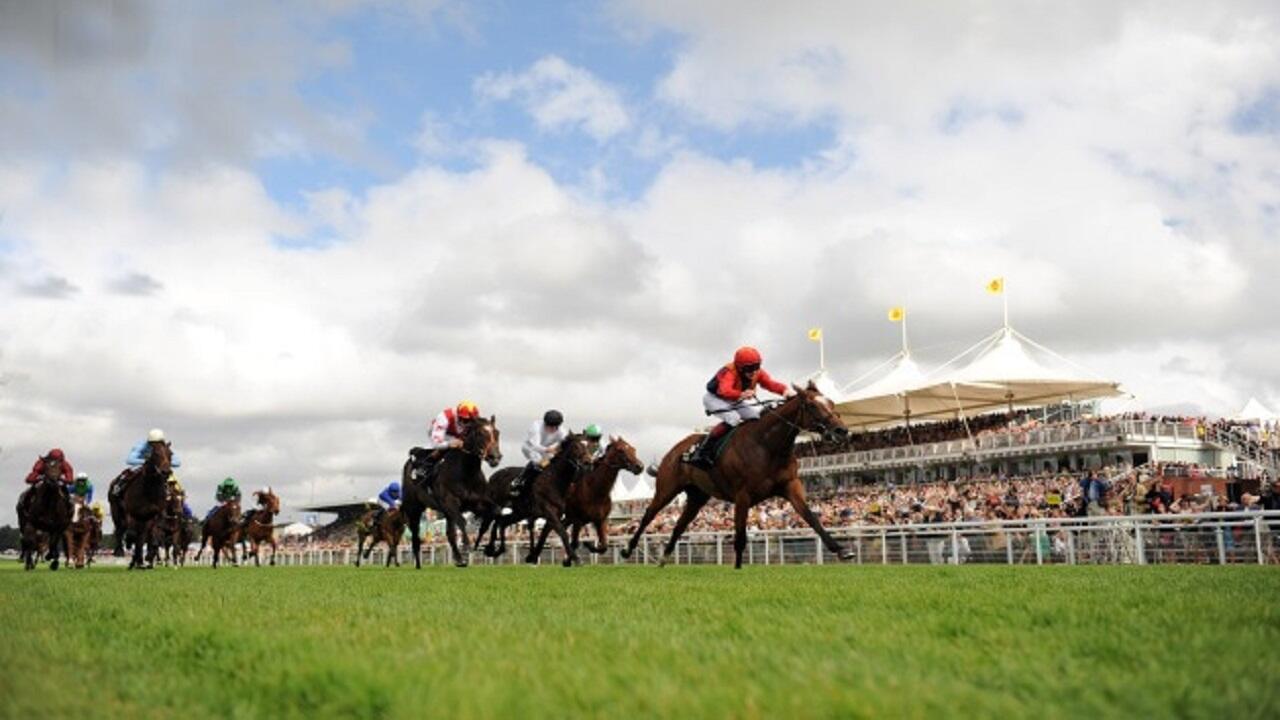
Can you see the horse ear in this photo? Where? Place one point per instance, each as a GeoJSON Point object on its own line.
{"type": "Point", "coordinates": [797, 388]}
{"type": "Point", "coordinates": [812, 386]}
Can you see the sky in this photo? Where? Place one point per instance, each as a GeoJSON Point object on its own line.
{"type": "Point", "coordinates": [290, 233]}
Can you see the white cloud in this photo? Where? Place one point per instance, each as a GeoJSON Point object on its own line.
{"type": "Point", "coordinates": [559, 95]}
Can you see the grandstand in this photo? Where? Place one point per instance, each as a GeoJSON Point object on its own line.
{"type": "Point", "coordinates": [1009, 406]}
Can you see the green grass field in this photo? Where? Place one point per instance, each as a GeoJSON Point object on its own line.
{"type": "Point", "coordinates": [642, 642]}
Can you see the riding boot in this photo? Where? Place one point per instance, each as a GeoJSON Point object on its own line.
{"type": "Point", "coordinates": [523, 480]}
{"type": "Point", "coordinates": [702, 455]}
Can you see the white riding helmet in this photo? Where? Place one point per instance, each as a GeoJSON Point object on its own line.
{"type": "Point", "coordinates": [266, 490]}
{"type": "Point", "coordinates": [82, 476]}
{"type": "Point", "coordinates": [156, 435]}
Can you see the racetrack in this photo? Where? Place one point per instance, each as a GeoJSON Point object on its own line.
{"type": "Point", "coordinates": [642, 641]}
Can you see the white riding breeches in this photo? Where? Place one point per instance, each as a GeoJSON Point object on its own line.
{"type": "Point", "coordinates": [731, 413]}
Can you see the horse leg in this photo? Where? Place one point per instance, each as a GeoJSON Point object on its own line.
{"type": "Point", "coordinates": [449, 524]}
{"type": "Point", "coordinates": [535, 548]}
{"type": "Point", "coordinates": [570, 557]}
{"type": "Point", "coordinates": [272, 563]}
{"type": "Point", "coordinates": [660, 500]}
{"type": "Point", "coordinates": [54, 555]}
{"type": "Point", "coordinates": [574, 529]}
{"type": "Point", "coordinates": [415, 541]}
{"type": "Point", "coordinates": [741, 507]}
{"type": "Point", "coordinates": [359, 547]}
{"type": "Point", "coordinates": [602, 536]}
{"type": "Point", "coordinates": [256, 563]}
{"type": "Point", "coordinates": [695, 499]}
{"type": "Point", "coordinates": [795, 495]}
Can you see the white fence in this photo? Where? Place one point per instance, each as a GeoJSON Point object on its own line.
{"type": "Point", "coordinates": [1208, 538]}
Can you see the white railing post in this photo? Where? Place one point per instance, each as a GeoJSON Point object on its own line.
{"type": "Point", "coordinates": [955, 546]}
{"type": "Point", "coordinates": [766, 548]}
{"type": "Point", "coordinates": [1222, 546]}
{"type": "Point", "coordinates": [1035, 537]}
{"type": "Point", "coordinates": [817, 549]}
{"type": "Point", "coordinates": [1008, 547]}
{"type": "Point", "coordinates": [719, 548]}
{"type": "Point", "coordinates": [884, 546]}
{"type": "Point", "coordinates": [1071, 546]}
{"type": "Point", "coordinates": [1142, 546]}
{"type": "Point", "coordinates": [1257, 539]}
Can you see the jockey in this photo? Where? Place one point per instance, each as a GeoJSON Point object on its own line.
{"type": "Point", "coordinates": [82, 490]}
{"type": "Point", "coordinates": [594, 447]}
{"type": "Point", "coordinates": [54, 455]}
{"type": "Point", "coordinates": [388, 500]}
{"type": "Point", "coordinates": [138, 455]}
{"type": "Point", "coordinates": [97, 510]}
{"type": "Point", "coordinates": [227, 491]}
{"type": "Point", "coordinates": [729, 397]}
{"type": "Point", "coordinates": [175, 486]}
{"type": "Point", "coordinates": [446, 432]}
{"type": "Point", "coordinates": [81, 495]}
{"type": "Point", "coordinates": [539, 447]}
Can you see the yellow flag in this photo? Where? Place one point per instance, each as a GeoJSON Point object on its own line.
{"type": "Point", "coordinates": [996, 286]}
{"type": "Point", "coordinates": [815, 334]}
{"type": "Point", "coordinates": [896, 314]}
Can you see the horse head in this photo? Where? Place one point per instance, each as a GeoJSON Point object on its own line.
{"type": "Point", "coordinates": [271, 501]}
{"type": "Point", "coordinates": [622, 455]}
{"type": "Point", "coordinates": [484, 441]}
{"type": "Point", "coordinates": [573, 449]}
{"type": "Point", "coordinates": [159, 458]}
{"type": "Point", "coordinates": [814, 412]}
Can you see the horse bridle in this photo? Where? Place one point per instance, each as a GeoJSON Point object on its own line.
{"type": "Point", "coordinates": [828, 429]}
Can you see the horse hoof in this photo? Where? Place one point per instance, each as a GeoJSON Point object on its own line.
{"type": "Point", "coordinates": [53, 565]}
{"type": "Point", "coordinates": [460, 563]}
{"type": "Point", "coordinates": [625, 553]}
{"type": "Point", "coordinates": [567, 562]}
{"type": "Point", "coordinates": [846, 555]}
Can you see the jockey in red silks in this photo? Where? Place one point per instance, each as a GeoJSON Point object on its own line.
{"type": "Point", "coordinates": [730, 396]}
{"type": "Point", "coordinates": [447, 431]}
{"type": "Point", "coordinates": [54, 455]}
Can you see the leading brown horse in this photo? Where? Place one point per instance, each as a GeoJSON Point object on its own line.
{"type": "Point", "coordinates": [137, 498]}
{"type": "Point", "coordinates": [44, 508]}
{"type": "Point", "coordinates": [758, 463]}
{"type": "Point", "coordinates": [259, 526]}
{"type": "Point", "coordinates": [590, 499]}
{"type": "Point", "coordinates": [457, 485]}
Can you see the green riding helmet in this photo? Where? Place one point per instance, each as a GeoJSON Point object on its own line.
{"type": "Point", "coordinates": [592, 431]}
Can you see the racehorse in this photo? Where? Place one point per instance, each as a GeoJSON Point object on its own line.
{"type": "Point", "coordinates": [44, 508]}
{"type": "Point", "coordinates": [590, 501]}
{"type": "Point", "coordinates": [757, 463]}
{"type": "Point", "coordinates": [83, 535]}
{"type": "Point", "coordinates": [545, 499]}
{"type": "Point", "coordinates": [389, 528]}
{"type": "Point", "coordinates": [174, 529]}
{"type": "Point", "coordinates": [456, 486]}
{"type": "Point", "coordinates": [221, 531]}
{"type": "Point", "coordinates": [259, 527]}
{"type": "Point", "coordinates": [138, 497]}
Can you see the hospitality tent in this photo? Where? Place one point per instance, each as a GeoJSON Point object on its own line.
{"type": "Point", "coordinates": [1255, 410]}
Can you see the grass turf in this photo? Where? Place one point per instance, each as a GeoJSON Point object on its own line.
{"type": "Point", "coordinates": [642, 642]}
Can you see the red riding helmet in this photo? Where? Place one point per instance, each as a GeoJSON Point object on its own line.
{"type": "Point", "coordinates": [746, 355]}
{"type": "Point", "coordinates": [467, 410]}
{"type": "Point", "coordinates": [56, 454]}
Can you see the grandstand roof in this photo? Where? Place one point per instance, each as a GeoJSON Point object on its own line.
{"type": "Point", "coordinates": [1005, 369]}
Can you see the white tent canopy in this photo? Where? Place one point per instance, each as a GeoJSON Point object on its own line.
{"type": "Point", "coordinates": [1004, 370]}
{"type": "Point", "coordinates": [296, 529]}
{"type": "Point", "coordinates": [1255, 410]}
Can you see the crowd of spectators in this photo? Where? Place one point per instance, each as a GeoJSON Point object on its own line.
{"type": "Point", "coordinates": [1110, 491]}
{"type": "Point", "coordinates": [1262, 437]}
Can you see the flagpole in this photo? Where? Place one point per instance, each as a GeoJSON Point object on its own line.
{"type": "Point", "coordinates": [1004, 295]}
{"type": "Point", "coordinates": [822, 351]}
{"type": "Point", "coordinates": [905, 351]}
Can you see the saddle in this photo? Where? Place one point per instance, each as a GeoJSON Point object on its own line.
{"type": "Point", "coordinates": [121, 483]}
{"type": "Point", "coordinates": [424, 467]}
{"type": "Point", "coordinates": [707, 452]}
